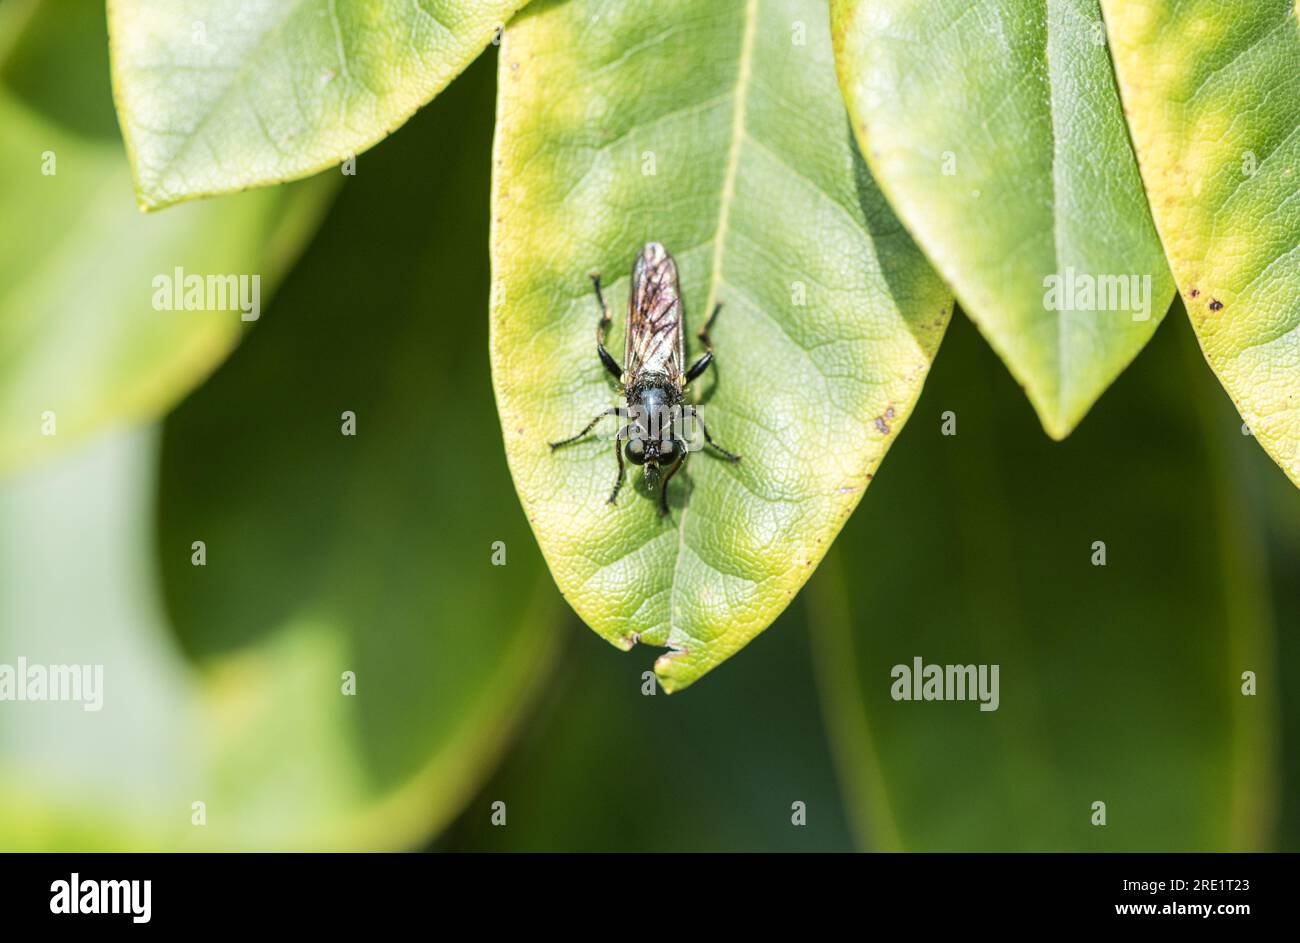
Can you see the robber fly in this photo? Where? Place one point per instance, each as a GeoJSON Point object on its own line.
{"type": "Point", "coordinates": [654, 376]}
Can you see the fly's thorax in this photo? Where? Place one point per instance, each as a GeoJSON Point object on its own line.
{"type": "Point", "coordinates": [654, 404]}
{"type": "Point", "coordinates": [654, 388]}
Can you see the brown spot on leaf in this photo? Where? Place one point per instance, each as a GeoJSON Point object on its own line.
{"type": "Point", "coordinates": [1216, 305]}
{"type": "Point", "coordinates": [1195, 292]}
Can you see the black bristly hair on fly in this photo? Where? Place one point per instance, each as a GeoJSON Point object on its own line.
{"type": "Point", "coordinates": [653, 377]}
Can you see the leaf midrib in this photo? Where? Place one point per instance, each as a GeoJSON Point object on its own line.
{"type": "Point", "coordinates": [744, 70]}
{"type": "Point", "coordinates": [1059, 320]}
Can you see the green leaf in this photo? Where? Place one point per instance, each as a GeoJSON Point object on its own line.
{"type": "Point", "coordinates": [1119, 683]}
{"type": "Point", "coordinates": [80, 338]}
{"type": "Point", "coordinates": [996, 132]}
{"type": "Point", "coordinates": [222, 95]}
{"type": "Point", "coordinates": [74, 778]}
{"type": "Point", "coordinates": [324, 553]}
{"type": "Point", "coordinates": [744, 167]}
{"type": "Point", "coordinates": [1212, 94]}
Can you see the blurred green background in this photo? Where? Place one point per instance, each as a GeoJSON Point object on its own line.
{"type": "Point", "coordinates": [475, 685]}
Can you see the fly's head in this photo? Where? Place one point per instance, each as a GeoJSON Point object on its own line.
{"type": "Point", "coordinates": [653, 455]}
{"type": "Point", "coordinates": [652, 441]}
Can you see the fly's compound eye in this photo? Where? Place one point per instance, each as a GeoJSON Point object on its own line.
{"type": "Point", "coordinates": [667, 451]}
{"type": "Point", "coordinates": [635, 451]}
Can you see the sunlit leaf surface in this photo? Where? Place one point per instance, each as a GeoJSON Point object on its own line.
{"type": "Point", "coordinates": [717, 130]}
{"type": "Point", "coordinates": [1212, 93]}
{"type": "Point", "coordinates": [995, 129]}
{"type": "Point", "coordinates": [221, 95]}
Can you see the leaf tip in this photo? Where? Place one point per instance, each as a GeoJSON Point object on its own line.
{"type": "Point", "coordinates": [1058, 427]}
{"type": "Point", "coordinates": [1058, 415]}
{"type": "Point", "coordinates": [147, 199]}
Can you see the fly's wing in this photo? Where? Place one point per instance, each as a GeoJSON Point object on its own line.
{"type": "Point", "coordinates": [654, 317]}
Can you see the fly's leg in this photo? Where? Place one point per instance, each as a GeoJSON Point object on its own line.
{"type": "Point", "coordinates": [613, 410]}
{"type": "Point", "coordinates": [699, 366]}
{"type": "Point", "coordinates": [705, 358]}
{"type": "Point", "coordinates": [704, 331]}
{"type": "Point", "coordinates": [618, 454]}
{"type": "Point", "coordinates": [602, 326]}
{"type": "Point", "coordinates": [729, 456]}
{"type": "Point", "coordinates": [663, 486]}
